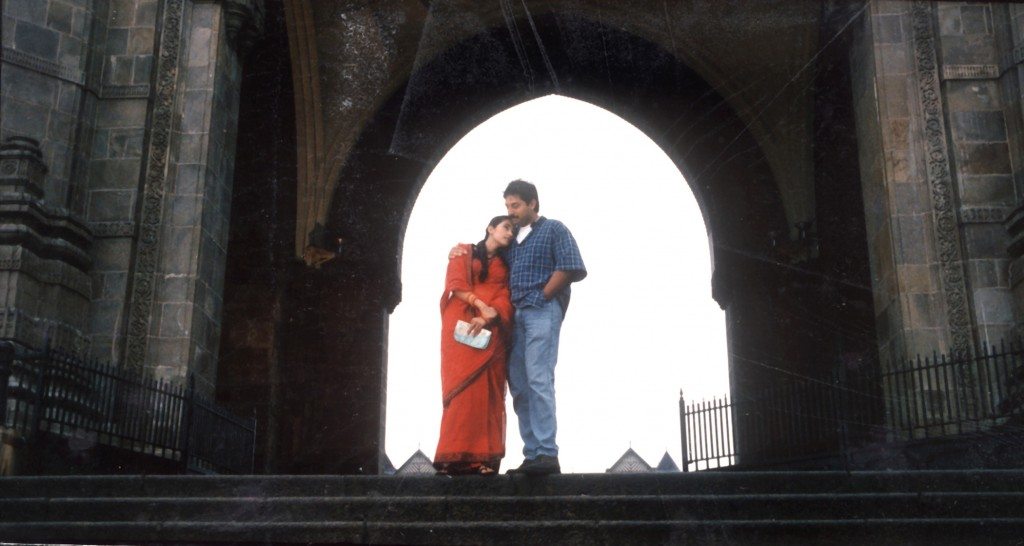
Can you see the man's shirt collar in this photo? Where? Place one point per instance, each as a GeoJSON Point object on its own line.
{"type": "Point", "coordinates": [528, 229]}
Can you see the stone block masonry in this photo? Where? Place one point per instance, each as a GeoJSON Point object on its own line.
{"type": "Point", "coordinates": [80, 85]}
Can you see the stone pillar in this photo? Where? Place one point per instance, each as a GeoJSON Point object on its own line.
{"type": "Point", "coordinates": [914, 235]}
{"type": "Point", "coordinates": [121, 70]}
{"type": "Point", "coordinates": [935, 147]}
{"type": "Point", "coordinates": [44, 90]}
{"type": "Point", "coordinates": [334, 346]}
{"type": "Point", "coordinates": [974, 104]}
{"type": "Point", "coordinates": [176, 282]}
{"type": "Point", "coordinates": [1009, 27]}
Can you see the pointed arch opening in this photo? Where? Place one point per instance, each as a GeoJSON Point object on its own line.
{"type": "Point", "coordinates": [640, 327]}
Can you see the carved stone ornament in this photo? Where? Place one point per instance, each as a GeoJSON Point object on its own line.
{"type": "Point", "coordinates": [243, 23]}
{"type": "Point", "coordinates": [940, 181]}
{"type": "Point", "coordinates": [970, 72]}
{"type": "Point", "coordinates": [147, 246]}
{"type": "Point", "coordinates": [42, 66]}
{"type": "Point", "coordinates": [984, 215]}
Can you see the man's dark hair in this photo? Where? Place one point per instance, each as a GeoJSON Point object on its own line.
{"type": "Point", "coordinates": [524, 190]}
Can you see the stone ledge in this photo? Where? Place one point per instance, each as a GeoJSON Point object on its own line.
{"type": "Point", "coordinates": [984, 215]}
{"type": "Point", "coordinates": [54, 272]}
{"type": "Point", "coordinates": [35, 332]}
{"type": "Point", "coordinates": [42, 66]}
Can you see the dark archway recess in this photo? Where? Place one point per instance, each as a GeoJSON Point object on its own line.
{"type": "Point", "coordinates": [260, 263]}
{"type": "Point", "coordinates": [322, 378]}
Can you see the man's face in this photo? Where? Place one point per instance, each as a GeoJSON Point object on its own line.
{"type": "Point", "coordinates": [521, 213]}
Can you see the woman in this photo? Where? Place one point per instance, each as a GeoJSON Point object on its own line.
{"type": "Point", "coordinates": [473, 380]}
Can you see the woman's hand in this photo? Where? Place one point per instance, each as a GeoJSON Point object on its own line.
{"type": "Point", "coordinates": [476, 325]}
{"type": "Point", "coordinates": [488, 313]}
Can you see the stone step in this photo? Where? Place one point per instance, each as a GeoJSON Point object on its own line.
{"type": "Point", "coordinates": [900, 507]}
{"type": "Point", "coordinates": [807, 531]}
{"type": "Point", "coordinates": [703, 483]}
{"type": "Point", "coordinates": [825, 506]}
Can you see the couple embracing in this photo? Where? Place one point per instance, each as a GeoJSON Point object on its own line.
{"type": "Point", "coordinates": [514, 285]}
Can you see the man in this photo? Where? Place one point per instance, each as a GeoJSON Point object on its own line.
{"type": "Point", "coordinates": [544, 260]}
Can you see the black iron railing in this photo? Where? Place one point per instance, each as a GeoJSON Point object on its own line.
{"type": "Point", "coordinates": [938, 396]}
{"type": "Point", "coordinates": [807, 418]}
{"type": "Point", "coordinates": [54, 393]}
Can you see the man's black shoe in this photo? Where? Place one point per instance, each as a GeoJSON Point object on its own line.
{"type": "Point", "coordinates": [543, 465]}
{"type": "Point", "coordinates": [526, 462]}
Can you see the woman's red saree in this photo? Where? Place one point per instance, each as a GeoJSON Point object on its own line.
{"type": "Point", "coordinates": [473, 380]}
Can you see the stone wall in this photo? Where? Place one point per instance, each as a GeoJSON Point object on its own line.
{"type": "Point", "coordinates": [120, 120]}
{"type": "Point", "coordinates": [935, 156]}
{"type": "Point", "coordinates": [975, 105]}
{"type": "Point", "coordinates": [1009, 29]}
{"type": "Point", "coordinates": [123, 52]}
{"type": "Point", "coordinates": [45, 89]}
{"type": "Point", "coordinates": [940, 143]}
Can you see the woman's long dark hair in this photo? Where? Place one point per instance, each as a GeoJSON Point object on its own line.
{"type": "Point", "coordinates": [480, 249]}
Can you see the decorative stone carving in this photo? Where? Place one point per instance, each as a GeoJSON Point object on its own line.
{"type": "Point", "coordinates": [243, 22]}
{"type": "Point", "coordinates": [112, 229]}
{"type": "Point", "coordinates": [44, 254]}
{"type": "Point", "coordinates": [25, 219]}
{"type": "Point", "coordinates": [48, 271]}
{"type": "Point", "coordinates": [22, 168]}
{"type": "Point", "coordinates": [941, 182]}
{"type": "Point", "coordinates": [983, 215]}
{"type": "Point", "coordinates": [147, 246]}
{"type": "Point", "coordinates": [970, 72]}
{"type": "Point", "coordinates": [43, 66]}
{"type": "Point", "coordinates": [125, 91]}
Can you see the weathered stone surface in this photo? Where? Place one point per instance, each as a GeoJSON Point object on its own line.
{"type": "Point", "coordinates": [36, 40]}
{"type": "Point", "coordinates": [110, 205]}
{"type": "Point", "coordinates": [985, 126]}
{"type": "Point", "coordinates": [989, 158]}
{"type": "Point", "coordinates": [59, 16]}
{"type": "Point", "coordinates": [31, 11]}
{"type": "Point", "coordinates": [21, 118]}
{"type": "Point", "coordinates": [987, 190]}
{"type": "Point", "coordinates": [28, 86]}
{"type": "Point", "coordinates": [976, 19]}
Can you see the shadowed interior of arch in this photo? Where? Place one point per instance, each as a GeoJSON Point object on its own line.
{"type": "Point", "coordinates": [641, 326]}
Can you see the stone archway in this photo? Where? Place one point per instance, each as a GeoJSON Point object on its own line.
{"type": "Point", "coordinates": [329, 327]}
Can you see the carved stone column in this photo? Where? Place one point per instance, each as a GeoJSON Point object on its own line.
{"type": "Point", "coordinates": [938, 154]}
{"type": "Point", "coordinates": [918, 293]}
{"type": "Point", "coordinates": [1010, 26]}
{"type": "Point", "coordinates": [177, 280]}
{"type": "Point", "coordinates": [44, 285]}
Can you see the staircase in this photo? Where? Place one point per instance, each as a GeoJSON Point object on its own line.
{"type": "Point", "coordinates": [904, 507]}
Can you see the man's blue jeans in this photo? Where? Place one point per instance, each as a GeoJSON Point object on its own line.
{"type": "Point", "coordinates": [531, 376]}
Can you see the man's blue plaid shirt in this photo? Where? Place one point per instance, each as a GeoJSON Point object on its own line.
{"type": "Point", "coordinates": [549, 247]}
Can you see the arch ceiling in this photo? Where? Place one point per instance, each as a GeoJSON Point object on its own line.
{"type": "Point", "coordinates": [350, 57]}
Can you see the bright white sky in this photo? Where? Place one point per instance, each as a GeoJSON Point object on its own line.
{"type": "Point", "coordinates": [639, 328]}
